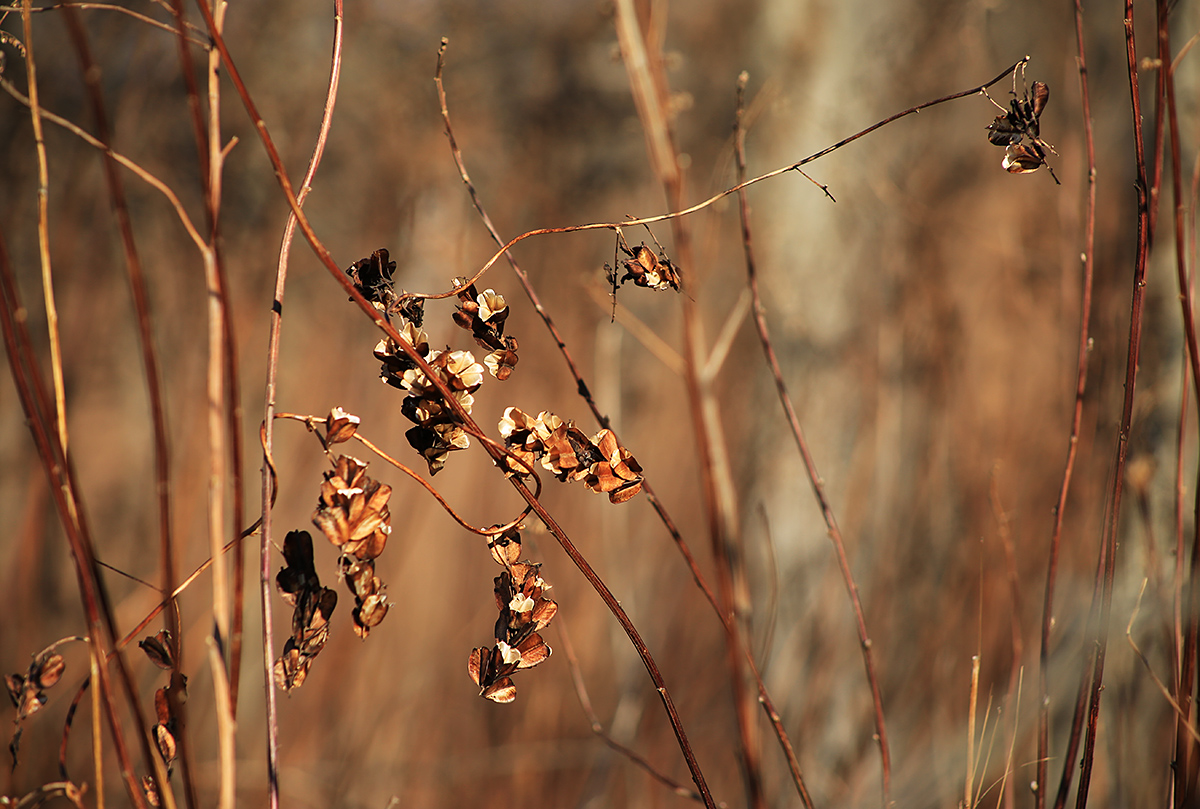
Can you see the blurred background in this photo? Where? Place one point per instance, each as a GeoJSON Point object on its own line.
{"type": "Point", "coordinates": [927, 325]}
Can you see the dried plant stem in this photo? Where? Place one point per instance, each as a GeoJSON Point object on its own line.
{"type": "Point", "coordinates": [162, 464]}
{"type": "Point", "coordinates": [1070, 755]}
{"type": "Point", "coordinates": [1187, 759]}
{"type": "Point", "coordinates": [225, 723]}
{"type": "Point", "coordinates": [1085, 308]}
{"type": "Point", "coordinates": [38, 411]}
{"type": "Point", "coordinates": [43, 218]}
{"type": "Point", "coordinates": [760, 324]}
{"type": "Point", "coordinates": [669, 359]}
{"type": "Point", "coordinates": [265, 577]}
{"type": "Point", "coordinates": [1109, 544]}
{"type": "Point", "coordinates": [228, 367]}
{"type": "Point", "coordinates": [597, 726]}
{"type": "Point", "coordinates": [699, 206]}
{"type": "Point", "coordinates": [814, 477]}
{"type": "Point", "coordinates": [648, 83]}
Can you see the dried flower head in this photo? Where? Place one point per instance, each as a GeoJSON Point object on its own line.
{"type": "Point", "coordinates": [313, 604]}
{"type": "Point", "coordinates": [372, 277]}
{"type": "Point", "coordinates": [163, 731]}
{"type": "Point", "coordinates": [618, 474]}
{"type": "Point", "coordinates": [352, 510]}
{"type": "Point", "coordinates": [646, 269]}
{"type": "Point", "coordinates": [370, 598]}
{"type": "Point", "coordinates": [340, 426]}
{"type": "Point", "coordinates": [524, 613]}
{"type": "Point", "coordinates": [1018, 129]}
{"type": "Point", "coordinates": [28, 691]}
{"type": "Point", "coordinates": [158, 648]}
{"type": "Point", "coordinates": [395, 361]}
{"type": "Point", "coordinates": [483, 314]}
{"type": "Point", "coordinates": [600, 461]}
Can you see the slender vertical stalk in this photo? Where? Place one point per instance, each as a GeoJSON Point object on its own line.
{"type": "Point", "coordinates": [265, 578]}
{"type": "Point", "coordinates": [1137, 306]}
{"type": "Point", "coordinates": [1085, 313]}
{"type": "Point", "coordinates": [43, 218]}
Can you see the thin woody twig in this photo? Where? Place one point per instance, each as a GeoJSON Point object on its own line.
{"type": "Point", "coordinates": [162, 464]}
{"type": "Point", "coordinates": [597, 726]}
{"type": "Point", "coordinates": [781, 388]}
{"type": "Point", "coordinates": [265, 579]}
{"type": "Point", "coordinates": [1085, 311]}
{"type": "Point", "coordinates": [1137, 306]}
{"type": "Point", "coordinates": [699, 206]}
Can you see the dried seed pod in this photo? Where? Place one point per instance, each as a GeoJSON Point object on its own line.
{"type": "Point", "coordinates": [340, 426]}
{"type": "Point", "coordinates": [158, 649]}
{"type": "Point", "coordinates": [353, 511]}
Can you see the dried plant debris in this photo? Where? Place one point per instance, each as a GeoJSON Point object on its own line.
{"type": "Point", "coordinates": [45, 794]}
{"type": "Point", "coordinates": [163, 732]}
{"type": "Point", "coordinates": [372, 277]}
{"type": "Point", "coordinates": [524, 613]}
{"type": "Point", "coordinates": [340, 426]}
{"type": "Point", "coordinates": [437, 432]}
{"type": "Point", "coordinates": [158, 648]}
{"type": "Point", "coordinates": [313, 604]}
{"type": "Point", "coordinates": [1018, 129]}
{"type": "Point", "coordinates": [370, 597]}
{"type": "Point", "coordinates": [28, 691]}
{"type": "Point", "coordinates": [353, 509]}
{"type": "Point", "coordinates": [483, 314]}
{"type": "Point", "coordinates": [566, 451]}
{"type": "Point", "coordinates": [645, 269]}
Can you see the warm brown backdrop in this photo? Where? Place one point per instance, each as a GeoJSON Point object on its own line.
{"type": "Point", "coordinates": [926, 323]}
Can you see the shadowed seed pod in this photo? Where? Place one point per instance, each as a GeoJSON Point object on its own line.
{"type": "Point", "coordinates": [313, 604]}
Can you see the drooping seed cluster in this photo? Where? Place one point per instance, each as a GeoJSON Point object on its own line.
{"type": "Point", "coordinates": [524, 613]}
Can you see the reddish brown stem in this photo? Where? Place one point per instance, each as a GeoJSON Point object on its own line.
{"type": "Point", "coordinates": [1085, 311]}
{"type": "Point", "coordinates": [265, 577]}
{"type": "Point", "coordinates": [1187, 761]}
{"type": "Point", "coordinates": [101, 629]}
{"type": "Point", "coordinates": [1137, 305]}
{"type": "Point", "coordinates": [162, 464]}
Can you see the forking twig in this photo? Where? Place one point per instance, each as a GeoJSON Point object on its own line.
{"type": "Point", "coordinates": [699, 206]}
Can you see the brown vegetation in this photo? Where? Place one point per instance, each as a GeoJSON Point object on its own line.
{"type": "Point", "coordinates": [920, 397]}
